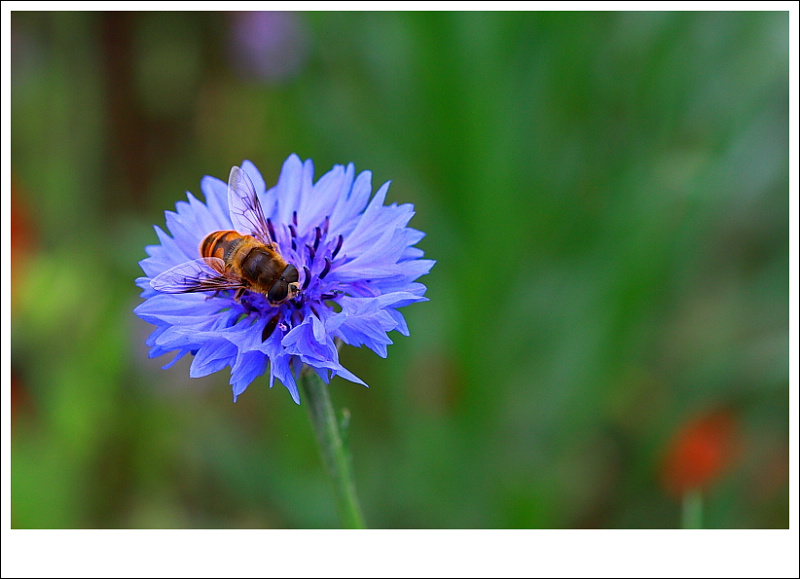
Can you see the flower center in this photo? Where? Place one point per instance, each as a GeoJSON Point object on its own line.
{"type": "Point", "coordinates": [315, 253]}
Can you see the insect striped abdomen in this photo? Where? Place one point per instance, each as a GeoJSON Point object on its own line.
{"type": "Point", "coordinates": [221, 244]}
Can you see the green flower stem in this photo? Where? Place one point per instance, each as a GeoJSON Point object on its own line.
{"type": "Point", "coordinates": [334, 453]}
{"type": "Point", "coordinates": [692, 509]}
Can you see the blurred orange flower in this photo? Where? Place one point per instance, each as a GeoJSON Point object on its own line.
{"type": "Point", "coordinates": [699, 452]}
{"type": "Point", "coordinates": [22, 236]}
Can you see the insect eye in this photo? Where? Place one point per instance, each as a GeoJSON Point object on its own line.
{"type": "Point", "coordinates": [278, 291]}
{"type": "Point", "coordinates": [290, 274]}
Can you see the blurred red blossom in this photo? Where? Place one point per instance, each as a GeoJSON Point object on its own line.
{"type": "Point", "coordinates": [700, 451]}
{"type": "Point", "coordinates": [22, 237]}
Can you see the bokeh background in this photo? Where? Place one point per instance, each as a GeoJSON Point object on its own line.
{"type": "Point", "coordinates": [606, 196]}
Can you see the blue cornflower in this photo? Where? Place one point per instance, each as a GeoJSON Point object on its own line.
{"type": "Point", "coordinates": [354, 264]}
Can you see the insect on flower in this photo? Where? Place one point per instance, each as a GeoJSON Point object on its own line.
{"type": "Point", "coordinates": [274, 279]}
{"type": "Point", "coordinates": [241, 260]}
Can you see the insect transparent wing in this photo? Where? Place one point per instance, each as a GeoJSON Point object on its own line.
{"type": "Point", "coordinates": [201, 275]}
{"type": "Point", "coordinates": [245, 208]}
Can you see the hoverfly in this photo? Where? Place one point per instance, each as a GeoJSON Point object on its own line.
{"type": "Point", "coordinates": [246, 259]}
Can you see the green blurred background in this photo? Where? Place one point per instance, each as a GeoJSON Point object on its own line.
{"type": "Point", "coordinates": [606, 196]}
